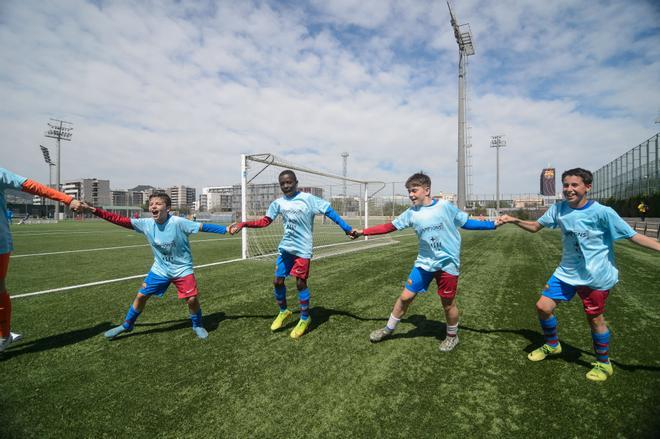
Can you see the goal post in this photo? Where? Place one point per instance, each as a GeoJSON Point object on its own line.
{"type": "Point", "coordinates": [349, 197]}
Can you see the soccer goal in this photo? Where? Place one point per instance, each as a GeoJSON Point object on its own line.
{"type": "Point", "coordinates": [351, 198]}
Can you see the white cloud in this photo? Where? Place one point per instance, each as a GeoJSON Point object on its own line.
{"type": "Point", "coordinates": [174, 94]}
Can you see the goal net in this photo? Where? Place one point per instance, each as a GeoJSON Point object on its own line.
{"type": "Point", "coordinates": [354, 200]}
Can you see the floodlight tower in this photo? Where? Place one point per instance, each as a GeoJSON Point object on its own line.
{"type": "Point", "coordinates": [50, 164]}
{"type": "Point", "coordinates": [463, 36]}
{"type": "Point", "coordinates": [344, 173]}
{"type": "Point", "coordinates": [497, 142]}
{"type": "Point", "coordinates": [58, 130]}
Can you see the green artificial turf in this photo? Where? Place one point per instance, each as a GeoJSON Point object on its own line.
{"type": "Point", "coordinates": [66, 380]}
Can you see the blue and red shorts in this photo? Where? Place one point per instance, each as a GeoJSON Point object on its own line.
{"type": "Point", "coordinates": [291, 265]}
{"type": "Point", "coordinates": [420, 279]}
{"type": "Point", "coordinates": [593, 301]}
{"type": "Point", "coordinates": [155, 285]}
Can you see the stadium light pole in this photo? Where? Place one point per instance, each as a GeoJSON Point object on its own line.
{"type": "Point", "coordinates": [463, 36]}
{"type": "Point", "coordinates": [497, 142]}
{"type": "Point", "coordinates": [49, 162]}
{"type": "Point", "coordinates": [344, 173]}
{"type": "Point", "coordinates": [58, 130]}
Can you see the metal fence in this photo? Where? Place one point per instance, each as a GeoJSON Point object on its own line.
{"type": "Point", "coordinates": [635, 173]}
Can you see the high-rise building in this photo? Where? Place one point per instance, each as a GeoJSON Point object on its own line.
{"type": "Point", "coordinates": [182, 196]}
{"type": "Point", "coordinates": [94, 191]}
{"type": "Point", "coordinates": [217, 198]}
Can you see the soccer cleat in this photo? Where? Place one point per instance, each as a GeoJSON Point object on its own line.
{"type": "Point", "coordinates": [200, 332]}
{"type": "Point", "coordinates": [282, 317]}
{"type": "Point", "coordinates": [300, 328]}
{"type": "Point", "coordinates": [112, 333]}
{"type": "Point", "coordinates": [542, 352]}
{"type": "Point", "coordinates": [448, 343]}
{"type": "Point", "coordinates": [380, 335]}
{"type": "Point", "coordinates": [5, 342]}
{"type": "Point", "coordinates": [15, 337]}
{"type": "Point", "coordinates": [600, 372]}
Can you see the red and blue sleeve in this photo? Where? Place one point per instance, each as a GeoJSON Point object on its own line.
{"type": "Point", "coordinates": [472, 224]}
{"type": "Point", "coordinates": [114, 218]}
{"type": "Point", "coordinates": [212, 228]}
{"type": "Point", "coordinates": [334, 216]}
{"type": "Point", "coordinates": [380, 229]}
{"type": "Point", "coordinates": [263, 222]}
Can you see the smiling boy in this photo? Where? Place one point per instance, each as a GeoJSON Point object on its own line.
{"type": "Point", "coordinates": [436, 224]}
{"type": "Point", "coordinates": [587, 266]}
{"type": "Point", "coordinates": [298, 210]}
{"type": "Point", "coordinates": [168, 237]}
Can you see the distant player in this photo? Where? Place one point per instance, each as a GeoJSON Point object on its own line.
{"type": "Point", "coordinates": [298, 210]}
{"type": "Point", "coordinates": [436, 224]}
{"type": "Point", "coordinates": [587, 266]}
{"type": "Point", "coordinates": [9, 180]}
{"type": "Point", "coordinates": [168, 237]}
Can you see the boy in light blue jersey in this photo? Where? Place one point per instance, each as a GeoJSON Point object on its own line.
{"type": "Point", "coordinates": [587, 266]}
{"type": "Point", "coordinates": [168, 237]}
{"type": "Point", "coordinates": [436, 224]}
{"type": "Point", "coordinates": [298, 210]}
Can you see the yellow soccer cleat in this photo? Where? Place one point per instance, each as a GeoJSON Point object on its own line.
{"type": "Point", "coordinates": [282, 317]}
{"type": "Point", "coordinates": [300, 328]}
{"type": "Point", "coordinates": [542, 352]}
{"type": "Point", "coordinates": [600, 372]}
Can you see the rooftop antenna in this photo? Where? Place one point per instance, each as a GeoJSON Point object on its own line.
{"type": "Point", "coordinates": [463, 36]}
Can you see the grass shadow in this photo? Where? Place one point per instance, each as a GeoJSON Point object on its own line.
{"type": "Point", "coordinates": [321, 315]}
{"type": "Point", "coordinates": [210, 321]}
{"type": "Point", "coordinates": [54, 341]}
{"type": "Point", "coordinates": [570, 353]}
{"type": "Point", "coordinates": [423, 328]}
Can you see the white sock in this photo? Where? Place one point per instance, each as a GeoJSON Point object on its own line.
{"type": "Point", "coordinates": [391, 323]}
{"type": "Point", "coordinates": [452, 330]}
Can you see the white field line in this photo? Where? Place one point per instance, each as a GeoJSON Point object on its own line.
{"type": "Point", "coordinates": [109, 248]}
{"type": "Point", "coordinates": [30, 234]}
{"type": "Point", "coordinates": [101, 282]}
{"type": "Point", "coordinates": [137, 276]}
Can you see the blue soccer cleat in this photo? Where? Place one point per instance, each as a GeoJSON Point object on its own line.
{"type": "Point", "coordinates": [112, 333]}
{"type": "Point", "coordinates": [200, 332]}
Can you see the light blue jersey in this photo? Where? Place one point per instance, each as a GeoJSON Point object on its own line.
{"type": "Point", "coordinates": [169, 244]}
{"type": "Point", "coordinates": [298, 217]}
{"type": "Point", "coordinates": [8, 180]}
{"type": "Point", "coordinates": [588, 235]}
{"type": "Point", "coordinates": [436, 226]}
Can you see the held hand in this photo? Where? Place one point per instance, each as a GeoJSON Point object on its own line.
{"type": "Point", "coordinates": [84, 207]}
{"type": "Point", "coordinates": [355, 234]}
{"type": "Point", "coordinates": [234, 228]}
{"type": "Point", "coordinates": [75, 205]}
{"type": "Point", "coordinates": [504, 219]}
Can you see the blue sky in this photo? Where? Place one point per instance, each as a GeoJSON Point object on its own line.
{"type": "Point", "coordinates": [169, 93]}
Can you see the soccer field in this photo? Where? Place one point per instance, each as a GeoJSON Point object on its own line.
{"type": "Point", "coordinates": [66, 380]}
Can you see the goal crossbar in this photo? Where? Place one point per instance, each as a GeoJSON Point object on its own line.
{"type": "Point", "coordinates": [269, 160]}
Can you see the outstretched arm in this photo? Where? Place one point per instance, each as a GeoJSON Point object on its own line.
{"type": "Point", "coordinates": [479, 225]}
{"type": "Point", "coordinates": [645, 241]}
{"type": "Point", "coordinates": [108, 216]}
{"type": "Point", "coordinates": [530, 226]}
{"type": "Point", "coordinates": [212, 228]}
{"type": "Point", "coordinates": [36, 188]}
{"type": "Point", "coordinates": [263, 222]}
{"type": "Point", "coordinates": [380, 229]}
{"type": "Point", "coordinates": [334, 216]}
